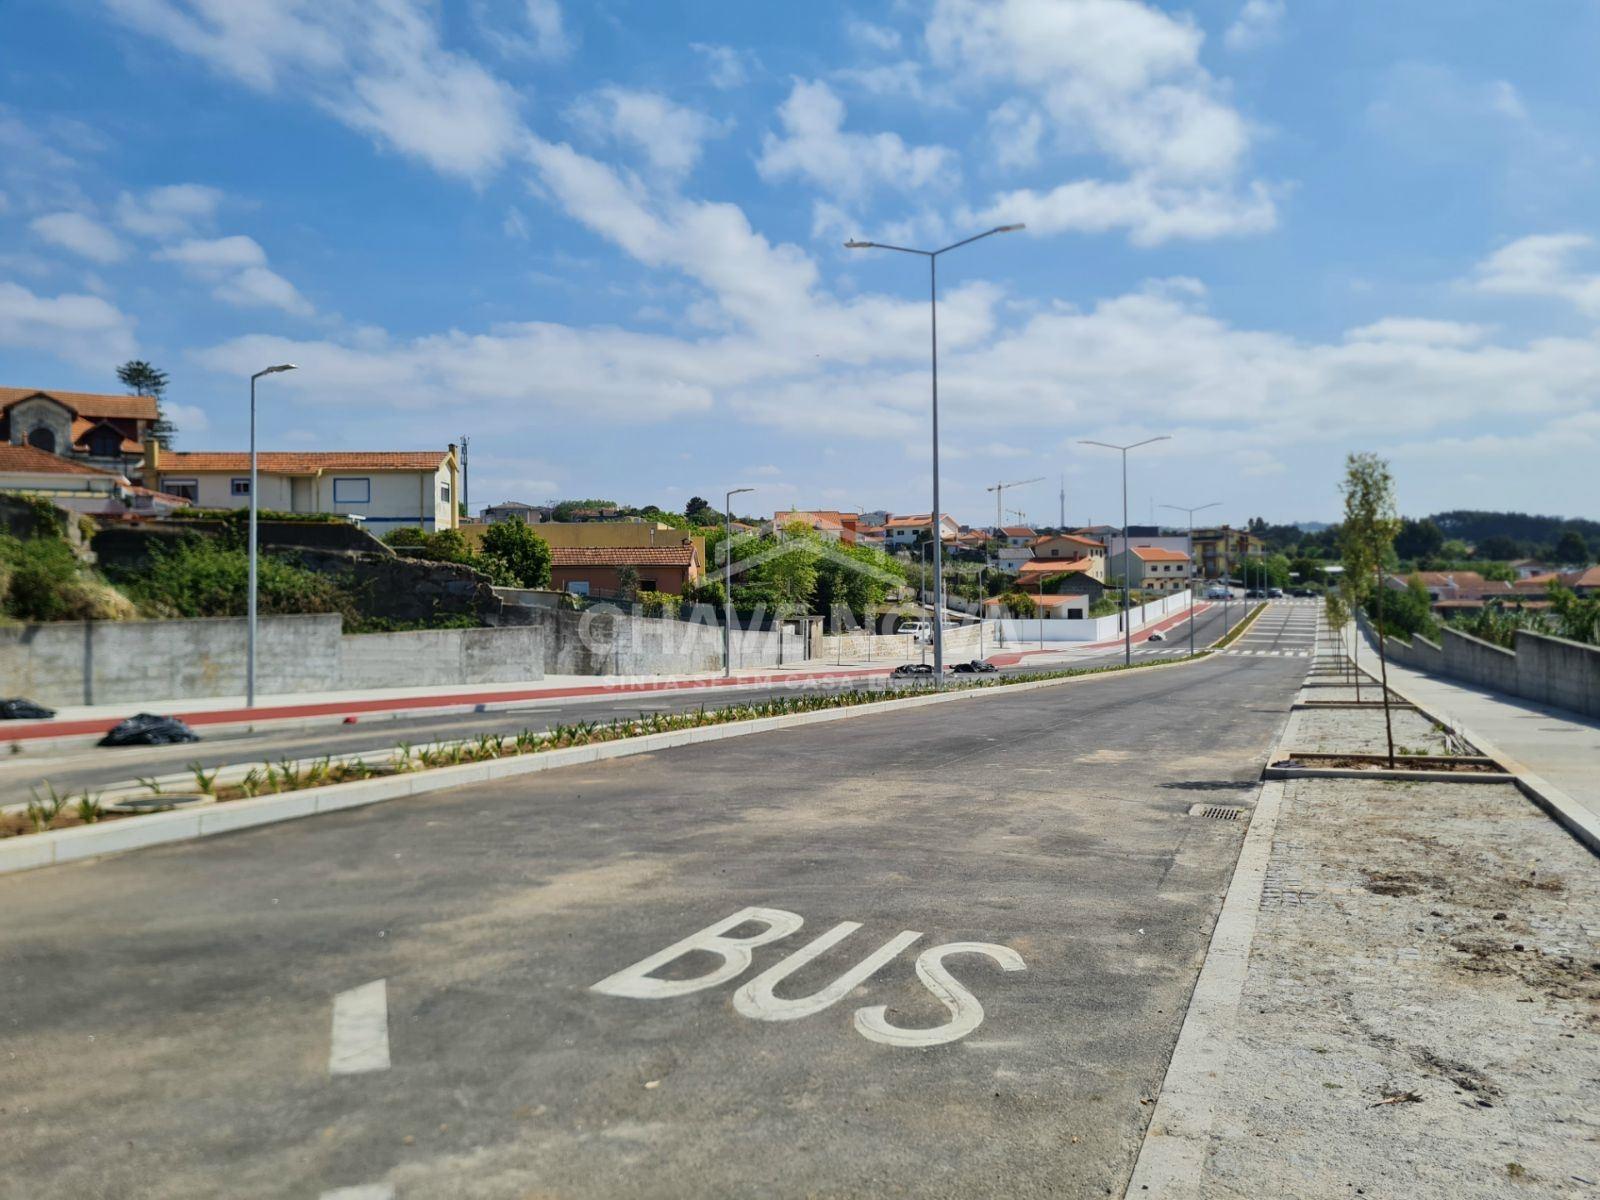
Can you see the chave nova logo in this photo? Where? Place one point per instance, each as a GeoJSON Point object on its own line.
{"type": "Point", "coordinates": [758, 1000]}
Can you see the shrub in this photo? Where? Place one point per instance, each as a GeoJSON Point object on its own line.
{"type": "Point", "coordinates": [520, 553]}
{"type": "Point", "coordinates": [658, 604]}
{"type": "Point", "coordinates": [1019, 604]}
{"type": "Point", "coordinates": [443, 545]}
{"type": "Point", "coordinates": [199, 577]}
{"type": "Point", "coordinates": [42, 580]}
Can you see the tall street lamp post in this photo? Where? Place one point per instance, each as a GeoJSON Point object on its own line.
{"type": "Point", "coordinates": [1192, 596]}
{"type": "Point", "coordinates": [250, 635]}
{"type": "Point", "coordinates": [933, 310]}
{"type": "Point", "coordinates": [1127, 627]}
{"type": "Point", "coordinates": [727, 582]}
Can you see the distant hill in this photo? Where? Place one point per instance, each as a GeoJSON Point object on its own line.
{"type": "Point", "coordinates": [1472, 525]}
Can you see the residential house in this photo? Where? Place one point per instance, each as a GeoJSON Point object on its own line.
{"type": "Point", "coordinates": [1455, 590]}
{"type": "Point", "coordinates": [1585, 582]}
{"type": "Point", "coordinates": [1017, 535]}
{"type": "Point", "coordinates": [515, 510]}
{"type": "Point", "coordinates": [1048, 575]}
{"type": "Point", "coordinates": [102, 431]}
{"type": "Point", "coordinates": [1116, 544]}
{"type": "Point", "coordinates": [872, 535]}
{"type": "Point", "coordinates": [834, 525]}
{"type": "Point", "coordinates": [1153, 568]}
{"type": "Point", "coordinates": [1221, 546]}
{"type": "Point", "coordinates": [76, 486]}
{"type": "Point", "coordinates": [1051, 608]}
{"type": "Point", "coordinates": [902, 532]}
{"type": "Point", "coordinates": [1011, 558]}
{"type": "Point", "coordinates": [1526, 568]}
{"type": "Point", "coordinates": [384, 489]}
{"type": "Point", "coordinates": [876, 516]}
{"type": "Point", "coordinates": [598, 570]}
{"type": "Point", "coordinates": [1072, 547]}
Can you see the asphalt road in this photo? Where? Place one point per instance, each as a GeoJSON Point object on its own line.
{"type": "Point", "coordinates": [170, 1025]}
{"type": "Point", "coordinates": [90, 768]}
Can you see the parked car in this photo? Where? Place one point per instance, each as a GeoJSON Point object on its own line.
{"type": "Point", "coordinates": [920, 631]}
{"type": "Point", "coordinates": [976, 667]}
{"type": "Point", "coordinates": [1218, 593]}
{"type": "Point", "coordinates": [1274, 593]}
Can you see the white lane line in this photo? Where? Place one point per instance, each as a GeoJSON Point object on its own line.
{"type": "Point", "coordinates": [365, 1191]}
{"type": "Point", "coordinates": [360, 1031]}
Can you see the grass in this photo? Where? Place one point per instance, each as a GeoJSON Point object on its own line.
{"type": "Point", "coordinates": [288, 775]}
{"type": "Point", "coordinates": [1239, 629]}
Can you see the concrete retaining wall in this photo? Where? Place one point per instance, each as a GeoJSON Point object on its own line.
{"type": "Point", "coordinates": [960, 643]}
{"type": "Point", "coordinates": [1546, 670]}
{"type": "Point", "coordinates": [1020, 632]}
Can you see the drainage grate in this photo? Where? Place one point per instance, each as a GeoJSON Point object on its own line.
{"type": "Point", "coordinates": [1216, 812]}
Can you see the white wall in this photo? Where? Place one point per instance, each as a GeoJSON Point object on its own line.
{"type": "Point", "coordinates": [394, 498]}
{"type": "Point", "coordinates": [1024, 630]}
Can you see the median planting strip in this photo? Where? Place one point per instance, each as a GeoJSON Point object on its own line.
{"type": "Point", "coordinates": [57, 829]}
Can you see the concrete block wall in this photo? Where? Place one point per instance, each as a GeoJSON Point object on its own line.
{"type": "Point", "coordinates": [118, 662]}
{"type": "Point", "coordinates": [1546, 670]}
{"type": "Point", "coordinates": [430, 657]}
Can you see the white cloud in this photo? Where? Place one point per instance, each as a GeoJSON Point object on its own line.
{"type": "Point", "coordinates": [82, 235]}
{"type": "Point", "coordinates": [816, 147]}
{"type": "Point", "coordinates": [237, 266]}
{"type": "Point", "coordinates": [259, 287]}
{"type": "Point", "coordinates": [219, 254]}
{"type": "Point", "coordinates": [549, 34]}
{"type": "Point", "coordinates": [167, 212]}
{"type": "Point", "coordinates": [871, 36]}
{"type": "Point", "coordinates": [77, 328]}
{"type": "Point", "coordinates": [1258, 23]}
{"type": "Point", "coordinates": [1420, 331]}
{"type": "Point", "coordinates": [1542, 266]}
{"type": "Point", "coordinates": [514, 225]}
{"type": "Point", "coordinates": [669, 135]}
{"type": "Point", "coordinates": [1151, 212]}
{"type": "Point", "coordinates": [190, 418]}
{"type": "Point", "coordinates": [377, 66]}
{"type": "Point", "coordinates": [729, 67]}
{"type": "Point", "coordinates": [1014, 130]}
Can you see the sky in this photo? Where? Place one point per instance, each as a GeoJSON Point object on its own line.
{"type": "Point", "coordinates": [604, 240]}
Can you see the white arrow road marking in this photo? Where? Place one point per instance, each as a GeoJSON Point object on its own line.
{"type": "Point", "coordinates": [360, 1038]}
{"type": "Point", "coordinates": [366, 1191]}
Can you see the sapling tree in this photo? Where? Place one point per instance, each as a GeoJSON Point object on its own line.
{"type": "Point", "coordinates": [1366, 540]}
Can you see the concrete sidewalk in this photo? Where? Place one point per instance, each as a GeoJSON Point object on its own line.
{"type": "Point", "coordinates": [1554, 743]}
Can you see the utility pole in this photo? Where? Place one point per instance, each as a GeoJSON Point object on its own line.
{"type": "Point", "coordinates": [1063, 526]}
{"type": "Point", "coordinates": [466, 490]}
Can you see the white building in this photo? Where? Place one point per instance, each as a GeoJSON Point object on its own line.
{"type": "Point", "coordinates": [1153, 569]}
{"type": "Point", "coordinates": [386, 489]}
{"type": "Point", "coordinates": [901, 532]}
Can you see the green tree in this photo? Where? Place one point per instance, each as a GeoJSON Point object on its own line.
{"type": "Point", "coordinates": [524, 554]}
{"type": "Point", "coordinates": [140, 378]}
{"type": "Point", "coordinates": [1571, 548]}
{"type": "Point", "coordinates": [696, 506]}
{"type": "Point", "coordinates": [1019, 604]}
{"type": "Point", "coordinates": [1366, 542]}
{"type": "Point", "coordinates": [1418, 540]}
{"type": "Point", "coordinates": [628, 582]}
{"type": "Point", "coordinates": [1498, 548]}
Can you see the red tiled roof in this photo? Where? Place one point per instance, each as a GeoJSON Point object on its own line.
{"type": "Point", "coordinates": [1067, 537]}
{"type": "Point", "coordinates": [88, 404]}
{"type": "Point", "coordinates": [1016, 531]}
{"type": "Point", "coordinates": [1045, 601]}
{"type": "Point", "coordinates": [621, 556]}
{"type": "Point", "coordinates": [41, 462]}
{"type": "Point", "coordinates": [905, 522]}
{"type": "Point", "coordinates": [1589, 578]}
{"type": "Point", "coordinates": [294, 462]}
{"type": "Point", "coordinates": [1159, 554]}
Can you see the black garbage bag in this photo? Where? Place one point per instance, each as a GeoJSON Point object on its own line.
{"type": "Point", "coordinates": [147, 729]}
{"type": "Point", "coordinates": [23, 710]}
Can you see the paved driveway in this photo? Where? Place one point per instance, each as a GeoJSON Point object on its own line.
{"type": "Point", "coordinates": [207, 1019]}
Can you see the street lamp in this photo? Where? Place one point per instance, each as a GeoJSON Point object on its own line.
{"type": "Point", "coordinates": [250, 636]}
{"type": "Point", "coordinates": [1191, 512]}
{"type": "Point", "coordinates": [1127, 629]}
{"type": "Point", "coordinates": [933, 310]}
{"type": "Point", "coordinates": [727, 582]}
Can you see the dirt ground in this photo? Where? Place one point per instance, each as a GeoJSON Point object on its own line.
{"type": "Point", "coordinates": [1421, 1017]}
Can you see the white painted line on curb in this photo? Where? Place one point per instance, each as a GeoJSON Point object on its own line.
{"type": "Point", "coordinates": [364, 1191]}
{"type": "Point", "coordinates": [360, 1030]}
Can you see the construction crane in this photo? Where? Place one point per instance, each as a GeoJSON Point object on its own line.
{"type": "Point", "coordinates": [999, 491]}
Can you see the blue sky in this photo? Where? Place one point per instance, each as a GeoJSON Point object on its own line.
{"type": "Point", "coordinates": [604, 240]}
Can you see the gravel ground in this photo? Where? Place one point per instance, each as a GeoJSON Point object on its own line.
{"type": "Point", "coordinates": [1434, 942]}
{"type": "Point", "coordinates": [1361, 730]}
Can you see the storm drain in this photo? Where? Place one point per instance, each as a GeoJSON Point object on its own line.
{"type": "Point", "coordinates": [1216, 812]}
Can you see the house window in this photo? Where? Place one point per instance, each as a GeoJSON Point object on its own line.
{"type": "Point", "coordinates": [43, 439]}
{"type": "Point", "coordinates": [578, 587]}
{"type": "Point", "coordinates": [239, 487]}
{"type": "Point", "coordinates": [105, 443]}
{"type": "Point", "coordinates": [647, 585]}
{"type": "Point", "coordinates": [352, 491]}
{"type": "Point", "coordinates": [189, 489]}
{"type": "Point", "coordinates": [444, 493]}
